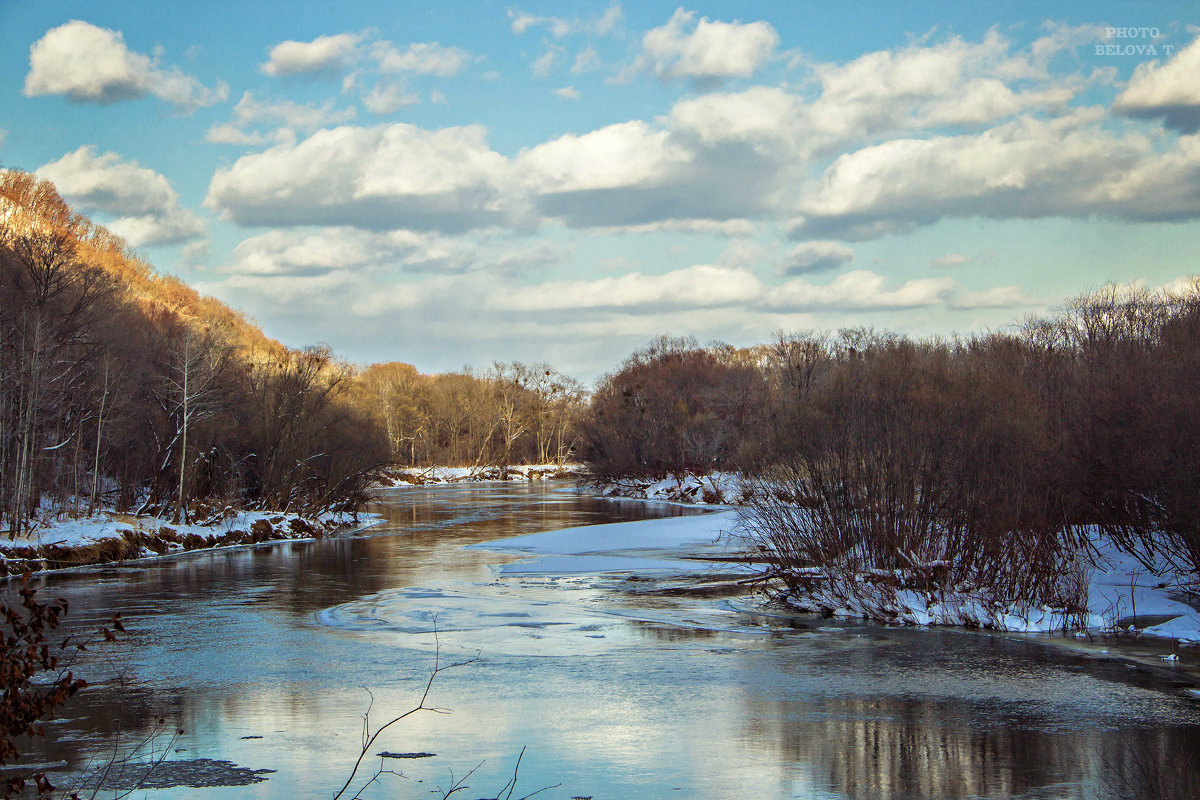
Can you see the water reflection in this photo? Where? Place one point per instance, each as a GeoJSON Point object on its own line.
{"type": "Point", "coordinates": [656, 688]}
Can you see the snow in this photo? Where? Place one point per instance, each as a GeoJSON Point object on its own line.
{"type": "Point", "coordinates": [713, 489]}
{"type": "Point", "coordinates": [1118, 584]}
{"type": "Point", "coordinates": [1123, 590]}
{"type": "Point", "coordinates": [106, 525]}
{"type": "Point", "coordinates": [641, 546]}
{"type": "Point", "coordinates": [522, 472]}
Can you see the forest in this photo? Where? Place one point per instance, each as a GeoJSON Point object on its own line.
{"type": "Point", "coordinates": [122, 388]}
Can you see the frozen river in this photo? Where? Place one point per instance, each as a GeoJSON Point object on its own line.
{"type": "Point", "coordinates": [656, 680]}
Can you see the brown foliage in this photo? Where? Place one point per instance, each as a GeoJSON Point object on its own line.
{"type": "Point", "coordinates": [673, 408]}
{"type": "Point", "coordinates": [119, 386]}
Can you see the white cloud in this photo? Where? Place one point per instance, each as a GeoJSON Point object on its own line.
{"type": "Point", "coordinates": [144, 207]}
{"type": "Point", "coordinates": [422, 58]}
{"type": "Point", "coordinates": [324, 56]}
{"type": "Point", "coordinates": [633, 173]}
{"type": "Point", "coordinates": [689, 290]}
{"type": "Point", "coordinates": [949, 83]}
{"type": "Point", "coordinates": [90, 64]}
{"type": "Point", "coordinates": [544, 63]}
{"type": "Point", "coordinates": [706, 50]}
{"type": "Point", "coordinates": [627, 154]}
{"type": "Point", "coordinates": [567, 93]}
{"type": "Point", "coordinates": [744, 253]}
{"type": "Point", "coordinates": [860, 289]}
{"type": "Point", "coordinates": [228, 133]}
{"type": "Point", "coordinates": [998, 297]}
{"type": "Point", "coordinates": [765, 118]}
{"type": "Point", "coordinates": [319, 251]}
{"type": "Point", "coordinates": [522, 22]}
{"type": "Point", "coordinates": [371, 266]}
{"type": "Point", "coordinates": [291, 115]}
{"type": "Point", "coordinates": [1024, 169]}
{"type": "Point", "coordinates": [815, 256]}
{"type": "Point", "coordinates": [558, 27]}
{"type": "Point", "coordinates": [388, 98]}
{"type": "Point", "coordinates": [586, 60]}
{"type": "Point", "coordinates": [379, 178]}
{"type": "Point", "coordinates": [195, 253]}
{"type": "Point", "coordinates": [1170, 90]}
{"type": "Point", "coordinates": [699, 286]}
{"type": "Point", "coordinates": [950, 260]}
{"type": "Point", "coordinates": [304, 116]}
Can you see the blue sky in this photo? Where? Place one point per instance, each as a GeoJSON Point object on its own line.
{"type": "Point", "coordinates": [470, 182]}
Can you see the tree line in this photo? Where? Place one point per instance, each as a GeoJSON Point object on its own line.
{"type": "Point", "coordinates": [979, 461]}
{"type": "Point", "coordinates": [123, 388]}
{"type": "Point", "coordinates": [511, 413]}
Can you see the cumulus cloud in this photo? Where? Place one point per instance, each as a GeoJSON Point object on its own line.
{"type": "Point", "coordinates": [816, 256]}
{"type": "Point", "coordinates": [706, 49]}
{"type": "Point", "coordinates": [144, 207]}
{"type": "Point", "coordinates": [633, 173]}
{"type": "Point", "coordinates": [1169, 91]}
{"type": "Point", "coordinates": [1024, 169]}
{"type": "Point", "coordinates": [567, 93]}
{"type": "Point", "coordinates": [325, 56]}
{"type": "Point", "coordinates": [621, 155]}
{"type": "Point", "coordinates": [952, 83]}
{"type": "Point", "coordinates": [422, 58]}
{"type": "Point", "coordinates": [379, 178]}
{"type": "Point", "coordinates": [89, 64]}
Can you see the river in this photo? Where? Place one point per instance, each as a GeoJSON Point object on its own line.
{"type": "Point", "coordinates": [643, 685]}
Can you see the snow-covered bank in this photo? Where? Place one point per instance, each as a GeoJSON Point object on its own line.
{"type": "Point", "coordinates": [419, 476]}
{"type": "Point", "coordinates": [108, 537]}
{"type": "Point", "coordinates": [713, 489]}
{"type": "Point", "coordinates": [1124, 598]}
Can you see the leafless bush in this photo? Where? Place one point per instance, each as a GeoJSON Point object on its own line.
{"type": "Point", "coordinates": [930, 459]}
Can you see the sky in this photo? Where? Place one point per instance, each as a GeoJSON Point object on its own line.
{"type": "Point", "coordinates": [461, 183]}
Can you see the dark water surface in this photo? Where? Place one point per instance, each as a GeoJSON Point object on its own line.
{"type": "Point", "coordinates": [615, 687]}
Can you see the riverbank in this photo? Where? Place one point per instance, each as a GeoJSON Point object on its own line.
{"type": "Point", "coordinates": [109, 537]}
{"type": "Point", "coordinates": [1126, 599]}
{"type": "Point", "coordinates": [60, 542]}
{"type": "Point", "coordinates": [422, 476]}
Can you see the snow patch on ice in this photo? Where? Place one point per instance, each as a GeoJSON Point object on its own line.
{"type": "Point", "coordinates": [643, 545]}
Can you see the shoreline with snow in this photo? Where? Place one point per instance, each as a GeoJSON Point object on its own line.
{"type": "Point", "coordinates": [1126, 600]}
{"type": "Point", "coordinates": [422, 476]}
{"type": "Point", "coordinates": [108, 537]}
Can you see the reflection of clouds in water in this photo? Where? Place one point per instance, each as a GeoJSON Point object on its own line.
{"type": "Point", "coordinates": [541, 616]}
